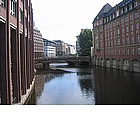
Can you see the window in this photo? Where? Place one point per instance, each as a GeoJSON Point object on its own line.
{"type": "Point", "coordinates": [111, 52]}
{"type": "Point", "coordinates": [131, 17]}
{"type": "Point", "coordinates": [122, 30]}
{"type": "Point", "coordinates": [126, 19]}
{"type": "Point", "coordinates": [115, 52]}
{"type": "Point", "coordinates": [132, 39]}
{"type": "Point", "coordinates": [138, 51]}
{"type": "Point", "coordinates": [117, 13]}
{"type": "Point", "coordinates": [137, 15]}
{"type": "Point", "coordinates": [113, 15]}
{"type": "Point", "coordinates": [133, 51]}
{"type": "Point", "coordinates": [125, 9]}
{"type": "Point", "coordinates": [127, 51]}
{"type": "Point", "coordinates": [118, 31]}
{"type": "Point", "coordinates": [111, 33]}
{"type": "Point", "coordinates": [122, 11]}
{"type": "Point", "coordinates": [137, 25]}
{"type": "Point", "coordinates": [106, 43]}
{"type": "Point", "coordinates": [114, 32]}
{"type": "Point", "coordinates": [135, 3]}
{"type": "Point", "coordinates": [122, 41]}
{"type": "Point", "coordinates": [132, 27]}
{"type": "Point", "coordinates": [119, 42]}
{"type": "Point", "coordinates": [97, 45]}
{"type": "Point", "coordinates": [108, 34]}
{"type": "Point", "coordinates": [118, 51]}
{"type": "Point", "coordinates": [13, 6]}
{"type": "Point", "coordinates": [127, 28]}
{"type": "Point", "coordinates": [130, 6]}
{"type": "Point", "coordinates": [123, 52]}
{"type": "Point", "coordinates": [138, 38]}
{"type": "Point", "coordinates": [111, 41]}
{"type": "Point", "coordinates": [2, 3]}
{"type": "Point", "coordinates": [21, 15]}
{"type": "Point", "coordinates": [106, 52]}
{"type": "Point", "coordinates": [114, 42]}
{"type": "Point", "coordinates": [127, 40]}
{"type": "Point", "coordinates": [122, 20]}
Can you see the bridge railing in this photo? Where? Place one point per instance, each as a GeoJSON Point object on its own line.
{"type": "Point", "coordinates": [63, 58]}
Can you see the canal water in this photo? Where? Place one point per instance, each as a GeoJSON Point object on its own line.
{"type": "Point", "coordinates": [63, 85]}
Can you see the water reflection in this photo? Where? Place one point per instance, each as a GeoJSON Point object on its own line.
{"type": "Point", "coordinates": [116, 87]}
{"type": "Point", "coordinates": [39, 84]}
{"type": "Point", "coordinates": [87, 86]}
{"type": "Point", "coordinates": [66, 86]}
{"type": "Point", "coordinates": [85, 82]}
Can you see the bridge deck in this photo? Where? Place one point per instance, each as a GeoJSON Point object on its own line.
{"type": "Point", "coordinates": [65, 59]}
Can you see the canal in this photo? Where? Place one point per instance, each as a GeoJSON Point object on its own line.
{"type": "Point", "coordinates": [63, 85]}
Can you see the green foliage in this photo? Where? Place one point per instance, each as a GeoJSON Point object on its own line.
{"type": "Point", "coordinates": [85, 42]}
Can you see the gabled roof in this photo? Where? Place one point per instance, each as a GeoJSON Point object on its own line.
{"type": "Point", "coordinates": [103, 11]}
{"type": "Point", "coordinates": [108, 9]}
{"type": "Point", "coordinates": [121, 4]}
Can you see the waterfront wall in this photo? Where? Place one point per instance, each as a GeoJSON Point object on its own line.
{"type": "Point", "coordinates": [120, 64]}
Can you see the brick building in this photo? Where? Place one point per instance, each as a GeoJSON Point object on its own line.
{"type": "Point", "coordinates": [60, 48]}
{"type": "Point", "coordinates": [16, 50]}
{"type": "Point", "coordinates": [38, 44]}
{"type": "Point", "coordinates": [116, 36]}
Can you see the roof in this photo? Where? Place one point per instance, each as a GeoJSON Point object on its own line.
{"type": "Point", "coordinates": [49, 40]}
{"type": "Point", "coordinates": [124, 2]}
{"type": "Point", "coordinates": [108, 9]}
{"type": "Point", "coordinates": [103, 11]}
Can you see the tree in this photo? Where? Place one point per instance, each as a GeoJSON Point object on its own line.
{"type": "Point", "coordinates": [85, 42]}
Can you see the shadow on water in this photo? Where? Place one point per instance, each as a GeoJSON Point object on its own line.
{"type": "Point", "coordinates": [116, 87]}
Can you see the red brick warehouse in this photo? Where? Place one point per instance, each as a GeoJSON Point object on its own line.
{"type": "Point", "coordinates": [116, 36]}
{"type": "Point", "coordinates": [16, 50]}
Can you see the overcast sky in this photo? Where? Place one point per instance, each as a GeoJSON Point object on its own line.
{"type": "Point", "coordinates": [64, 19]}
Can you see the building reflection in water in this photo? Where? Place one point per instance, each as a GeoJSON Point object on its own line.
{"type": "Point", "coordinates": [41, 79]}
{"type": "Point", "coordinates": [116, 87]}
{"type": "Point", "coordinates": [39, 84]}
{"type": "Point", "coordinates": [85, 82]}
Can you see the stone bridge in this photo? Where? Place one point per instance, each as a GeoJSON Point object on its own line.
{"type": "Point", "coordinates": [75, 61]}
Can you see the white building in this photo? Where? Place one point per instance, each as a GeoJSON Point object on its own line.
{"type": "Point", "coordinates": [72, 49]}
{"type": "Point", "coordinates": [49, 48]}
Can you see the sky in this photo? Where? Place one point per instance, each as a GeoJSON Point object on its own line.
{"type": "Point", "coordinates": [64, 19]}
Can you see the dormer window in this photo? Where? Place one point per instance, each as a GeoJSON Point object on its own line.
{"type": "Point", "coordinates": [110, 17]}
{"type": "Point", "coordinates": [125, 9]}
{"type": "Point", "coordinates": [117, 13]}
{"type": "Point", "coordinates": [122, 11]}
{"type": "Point", "coordinates": [136, 3]}
{"type": "Point", "coordinates": [130, 6]}
{"type": "Point", "coordinates": [105, 20]}
{"type": "Point", "coordinates": [113, 15]}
